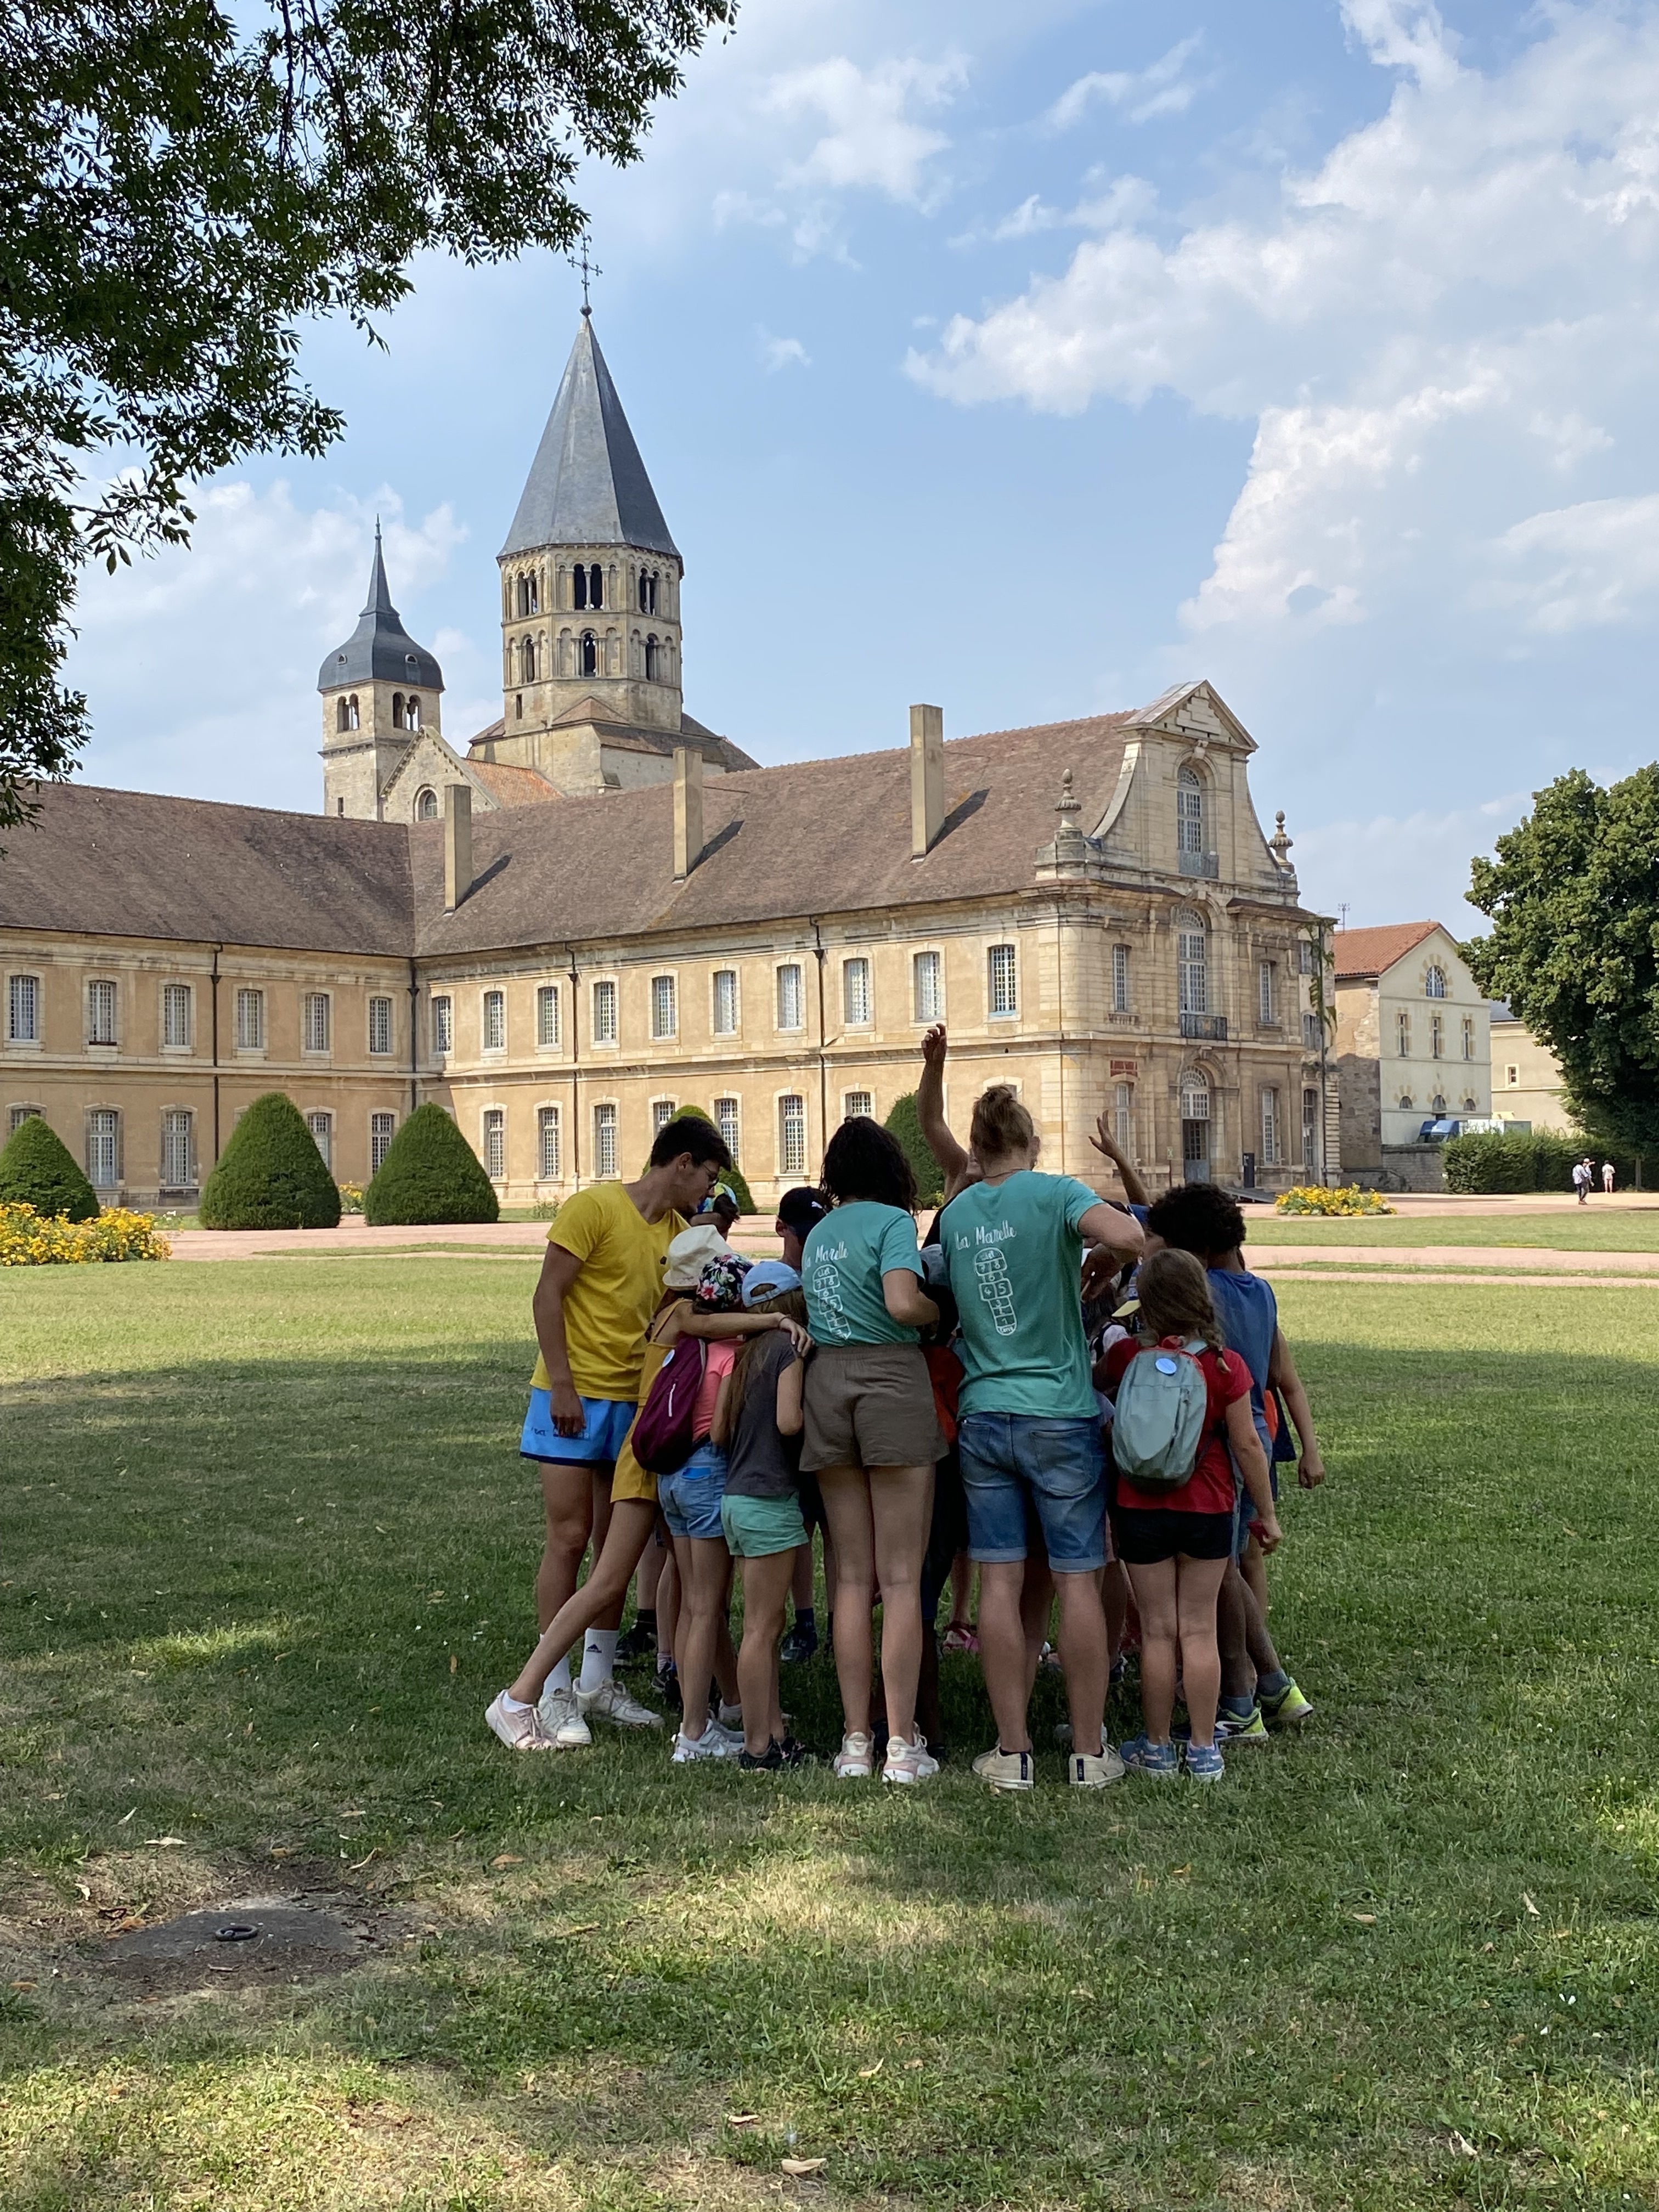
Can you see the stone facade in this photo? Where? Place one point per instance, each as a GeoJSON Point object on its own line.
{"type": "Point", "coordinates": [1412, 1038]}
{"type": "Point", "coordinates": [1526, 1076]}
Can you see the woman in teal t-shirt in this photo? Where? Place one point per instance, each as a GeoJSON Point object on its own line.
{"type": "Point", "coordinates": [871, 1435]}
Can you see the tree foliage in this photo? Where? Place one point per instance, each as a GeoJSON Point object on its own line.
{"type": "Point", "coordinates": [731, 1177]}
{"type": "Point", "coordinates": [430, 1173]}
{"type": "Point", "coordinates": [38, 1169]}
{"type": "Point", "coordinates": [1573, 895]}
{"type": "Point", "coordinates": [187, 184]}
{"type": "Point", "coordinates": [271, 1174]}
{"type": "Point", "coordinates": [904, 1123]}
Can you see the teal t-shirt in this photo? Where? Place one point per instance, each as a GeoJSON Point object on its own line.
{"type": "Point", "coordinates": [1014, 1256]}
{"type": "Point", "coordinates": [842, 1265]}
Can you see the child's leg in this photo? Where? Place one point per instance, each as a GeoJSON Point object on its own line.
{"type": "Point", "coordinates": [962, 1592]}
{"type": "Point", "coordinates": [766, 1582]}
{"type": "Point", "coordinates": [1036, 1600]}
{"type": "Point", "coordinates": [1083, 1652]}
{"type": "Point", "coordinates": [668, 1595]}
{"type": "Point", "coordinates": [1238, 1668]}
{"type": "Point", "coordinates": [1154, 1587]}
{"type": "Point", "coordinates": [726, 1656]}
{"type": "Point", "coordinates": [1114, 1603]}
{"type": "Point", "coordinates": [800, 1581]}
{"type": "Point", "coordinates": [1254, 1567]}
{"type": "Point", "coordinates": [847, 1510]}
{"type": "Point", "coordinates": [1197, 1584]}
{"type": "Point", "coordinates": [900, 1508]}
{"type": "Point", "coordinates": [627, 1536]}
{"type": "Point", "coordinates": [705, 1564]}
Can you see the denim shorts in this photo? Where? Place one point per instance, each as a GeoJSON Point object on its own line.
{"type": "Point", "coordinates": [690, 1499]}
{"type": "Point", "coordinates": [1056, 1467]}
{"type": "Point", "coordinates": [609, 1421]}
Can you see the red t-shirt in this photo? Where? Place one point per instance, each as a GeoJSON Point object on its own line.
{"type": "Point", "coordinates": [1210, 1488]}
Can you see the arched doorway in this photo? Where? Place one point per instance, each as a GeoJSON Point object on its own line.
{"type": "Point", "coordinates": [1195, 1129]}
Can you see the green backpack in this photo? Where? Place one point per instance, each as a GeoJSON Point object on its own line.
{"type": "Point", "coordinates": [1158, 1425]}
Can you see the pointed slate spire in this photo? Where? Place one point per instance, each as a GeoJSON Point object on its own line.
{"type": "Point", "coordinates": [380, 646]}
{"type": "Point", "coordinates": [587, 485]}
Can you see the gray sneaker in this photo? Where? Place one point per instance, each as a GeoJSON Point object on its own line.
{"type": "Point", "coordinates": [561, 1717]}
{"type": "Point", "coordinates": [713, 1743]}
{"type": "Point", "coordinates": [611, 1702]}
{"type": "Point", "coordinates": [523, 1731]}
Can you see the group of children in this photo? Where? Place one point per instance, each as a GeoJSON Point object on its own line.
{"type": "Point", "coordinates": [1090, 1398]}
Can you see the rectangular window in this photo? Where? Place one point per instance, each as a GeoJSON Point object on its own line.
{"type": "Point", "coordinates": [24, 1010]}
{"type": "Point", "coordinates": [605, 1141]}
{"type": "Point", "coordinates": [1437, 1036]}
{"type": "Point", "coordinates": [604, 1013]}
{"type": "Point", "coordinates": [856, 1102]}
{"type": "Point", "coordinates": [929, 987]}
{"type": "Point", "coordinates": [662, 1113]}
{"type": "Point", "coordinates": [380, 1024]}
{"type": "Point", "coordinates": [665, 1007]}
{"type": "Point", "coordinates": [1002, 986]}
{"type": "Point", "coordinates": [175, 1149]}
{"type": "Point", "coordinates": [1193, 969]}
{"type": "Point", "coordinates": [175, 1015]}
{"type": "Point", "coordinates": [103, 1148]}
{"type": "Point", "coordinates": [792, 1135]}
{"type": "Point", "coordinates": [1123, 1116]}
{"type": "Point", "coordinates": [443, 1025]}
{"type": "Point", "coordinates": [1311, 1032]}
{"type": "Point", "coordinates": [495, 1021]}
{"type": "Point", "coordinates": [16, 1117]}
{"type": "Point", "coordinates": [250, 1021]}
{"type": "Point", "coordinates": [1468, 1037]}
{"type": "Point", "coordinates": [1120, 979]}
{"type": "Point", "coordinates": [1305, 957]}
{"type": "Point", "coordinates": [1270, 1128]}
{"type": "Point", "coordinates": [321, 1127]}
{"type": "Point", "coordinates": [1310, 1128]}
{"type": "Point", "coordinates": [791, 999]}
{"type": "Point", "coordinates": [547, 1017]}
{"type": "Point", "coordinates": [495, 1142]}
{"type": "Point", "coordinates": [382, 1127]}
{"type": "Point", "coordinates": [1513, 1076]}
{"type": "Point", "coordinates": [317, 1025]}
{"type": "Point", "coordinates": [855, 992]}
{"type": "Point", "coordinates": [1403, 1033]}
{"type": "Point", "coordinates": [726, 1002]}
{"type": "Point", "coordinates": [548, 1153]}
{"type": "Point", "coordinates": [101, 1013]}
{"type": "Point", "coordinates": [725, 1121]}
{"type": "Point", "coordinates": [1265, 992]}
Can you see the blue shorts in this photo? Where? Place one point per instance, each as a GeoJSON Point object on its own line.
{"type": "Point", "coordinates": [689, 1500]}
{"type": "Point", "coordinates": [609, 1421]}
{"type": "Point", "coordinates": [1011, 1461]}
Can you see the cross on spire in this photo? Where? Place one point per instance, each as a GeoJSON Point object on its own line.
{"type": "Point", "coordinates": [588, 267]}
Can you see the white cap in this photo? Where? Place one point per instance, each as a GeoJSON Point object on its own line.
{"type": "Point", "coordinates": [690, 1253]}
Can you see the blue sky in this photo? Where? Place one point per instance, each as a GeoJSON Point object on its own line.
{"type": "Point", "coordinates": [1025, 361]}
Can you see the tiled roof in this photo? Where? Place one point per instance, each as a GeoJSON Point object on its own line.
{"type": "Point", "coordinates": [513, 787]}
{"type": "Point", "coordinates": [587, 485]}
{"type": "Point", "coordinates": [1362, 953]}
{"type": "Point", "coordinates": [380, 646]}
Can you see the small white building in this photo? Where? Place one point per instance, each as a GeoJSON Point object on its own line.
{"type": "Point", "coordinates": [1413, 1037]}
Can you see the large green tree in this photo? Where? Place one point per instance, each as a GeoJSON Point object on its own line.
{"type": "Point", "coordinates": [1573, 895]}
{"type": "Point", "coordinates": [185, 186]}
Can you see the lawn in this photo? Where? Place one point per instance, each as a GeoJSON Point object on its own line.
{"type": "Point", "coordinates": [268, 1552]}
{"type": "Point", "coordinates": [1586, 1231]}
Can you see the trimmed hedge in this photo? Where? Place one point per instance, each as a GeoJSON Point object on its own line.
{"type": "Point", "coordinates": [905, 1123]}
{"type": "Point", "coordinates": [430, 1173]}
{"type": "Point", "coordinates": [271, 1174]}
{"type": "Point", "coordinates": [38, 1169]}
{"type": "Point", "coordinates": [731, 1177]}
{"type": "Point", "coordinates": [1542, 1160]}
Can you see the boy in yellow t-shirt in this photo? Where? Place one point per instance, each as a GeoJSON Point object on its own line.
{"type": "Point", "coordinates": [600, 1282]}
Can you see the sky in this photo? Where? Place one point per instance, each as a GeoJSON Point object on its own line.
{"type": "Point", "coordinates": [1027, 362]}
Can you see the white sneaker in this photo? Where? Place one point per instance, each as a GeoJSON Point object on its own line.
{"type": "Point", "coordinates": [856, 1759]}
{"type": "Point", "coordinates": [613, 1702]}
{"type": "Point", "coordinates": [1006, 1770]}
{"type": "Point", "coordinates": [713, 1743]}
{"type": "Point", "coordinates": [523, 1731]}
{"type": "Point", "coordinates": [561, 1717]}
{"type": "Point", "coordinates": [1086, 1771]}
{"type": "Point", "coordinates": [909, 1762]}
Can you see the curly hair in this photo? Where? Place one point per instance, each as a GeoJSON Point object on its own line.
{"type": "Point", "coordinates": [864, 1160]}
{"type": "Point", "coordinates": [1198, 1218]}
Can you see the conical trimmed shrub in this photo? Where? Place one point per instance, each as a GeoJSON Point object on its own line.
{"type": "Point", "coordinates": [271, 1174]}
{"type": "Point", "coordinates": [904, 1123]}
{"type": "Point", "coordinates": [38, 1169]}
{"type": "Point", "coordinates": [430, 1173]}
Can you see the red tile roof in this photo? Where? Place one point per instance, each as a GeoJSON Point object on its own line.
{"type": "Point", "coordinates": [1362, 953]}
{"type": "Point", "coordinates": [513, 787]}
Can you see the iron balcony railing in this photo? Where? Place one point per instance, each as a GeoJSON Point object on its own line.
{"type": "Point", "coordinates": [1212, 1026]}
{"type": "Point", "coordinates": [1200, 863]}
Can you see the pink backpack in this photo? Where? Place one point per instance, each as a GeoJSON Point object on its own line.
{"type": "Point", "coordinates": [662, 1434]}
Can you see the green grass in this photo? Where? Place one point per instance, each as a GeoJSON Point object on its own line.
{"type": "Point", "coordinates": [268, 1552]}
{"type": "Point", "coordinates": [1587, 1231]}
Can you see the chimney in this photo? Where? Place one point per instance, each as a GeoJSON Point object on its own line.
{"type": "Point", "coordinates": [687, 810]}
{"type": "Point", "coordinates": [457, 844]}
{"type": "Point", "coordinates": [926, 778]}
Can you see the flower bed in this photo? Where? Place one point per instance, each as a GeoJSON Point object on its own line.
{"type": "Point", "coordinates": [1313, 1198]}
{"type": "Point", "coordinates": [28, 1239]}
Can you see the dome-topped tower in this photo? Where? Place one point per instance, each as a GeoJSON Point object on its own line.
{"type": "Point", "coordinates": [590, 576]}
{"type": "Point", "coordinates": [380, 691]}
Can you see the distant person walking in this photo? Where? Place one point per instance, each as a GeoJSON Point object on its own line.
{"type": "Point", "coordinates": [1607, 1173]}
{"type": "Point", "coordinates": [1581, 1180]}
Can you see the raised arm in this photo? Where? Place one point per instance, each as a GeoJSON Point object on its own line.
{"type": "Point", "coordinates": [1104, 1143]}
{"type": "Point", "coordinates": [560, 1269]}
{"type": "Point", "coordinates": [930, 1108]}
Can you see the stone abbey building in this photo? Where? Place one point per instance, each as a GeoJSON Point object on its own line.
{"type": "Point", "coordinates": [601, 910]}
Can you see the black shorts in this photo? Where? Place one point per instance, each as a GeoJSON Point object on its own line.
{"type": "Point", "coordinates": [1142, 1535]}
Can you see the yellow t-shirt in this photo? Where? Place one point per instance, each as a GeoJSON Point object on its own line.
{"type": "Point", "coordinates": [609, 1306]}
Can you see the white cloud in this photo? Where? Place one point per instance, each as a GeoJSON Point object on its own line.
{"type": "Point", "coordinates": [1583, 567]}
{"type": "Point", "coordinates": [1143, 94]}
{"type": "Point", "coordinates": [874, 140]}
{"type": "Point", "coordinates": [212, 650]}
{"type": "Point", "coordinates": [1404, 34]}
{"type": "Point", "coordinates": [1386, 867]}
{"type": "Point", "coordinates": [783, 353]}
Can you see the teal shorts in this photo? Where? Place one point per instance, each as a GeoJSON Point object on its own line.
{"type": "Point", "coordinates": [757, 1527]}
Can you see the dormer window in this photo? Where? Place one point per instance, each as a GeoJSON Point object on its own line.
{"type": "Point", "coordinates": [1434, 983]}
{"type": "Point", "coordinates": [1190, 812]}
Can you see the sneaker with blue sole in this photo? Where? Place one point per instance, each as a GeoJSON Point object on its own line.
{"type": "Point", "coordinates": [1204, 1762]}
{"type": "Point", "coordinates": [1157, 1760]}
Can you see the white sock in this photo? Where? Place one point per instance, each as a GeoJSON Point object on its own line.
{"type": "Point", "coordinates": [599, 1658]}
{"type": "Point", "coordinates": [559, 1678]}
{"type": "Point", "coordinates": [510, 1704]}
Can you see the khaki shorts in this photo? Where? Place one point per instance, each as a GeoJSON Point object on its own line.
{"type": "Point", "coordinates": [869, 1404]}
